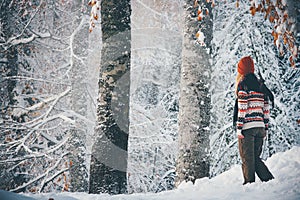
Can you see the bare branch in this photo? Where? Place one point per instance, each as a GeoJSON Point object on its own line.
{"type": "Point", "coordinates": [40, 176]}
{"type": "Point", "coordinates": [18, 112]}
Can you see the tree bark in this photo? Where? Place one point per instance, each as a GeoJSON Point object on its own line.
{"type": "Point", "coordinates": [109, 153]}
{"type": "Point", "coordinates": [194, 102]}
{"type": "Point", "coordinates": [293, 8]}
{"type": "Point", "coordinates": [8, 67]}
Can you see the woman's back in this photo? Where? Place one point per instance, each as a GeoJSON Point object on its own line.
{"type": "Point", "coordinates": [253, 108]}
{"type": "Point", "coordinates": [250, 83]}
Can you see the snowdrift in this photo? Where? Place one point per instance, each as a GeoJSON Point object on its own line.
{"type": "Point", "coordinates": [285, 166]}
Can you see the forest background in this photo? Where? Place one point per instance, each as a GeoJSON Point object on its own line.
{"type": "Point", "coordinates": [142, 102]}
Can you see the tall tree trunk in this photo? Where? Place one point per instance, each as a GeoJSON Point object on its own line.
{"type": "Point", "coordinates": [194, 103]}
{"type": "Point", "coordinates": [109, 153]}
{"type": "Point", "coordinates": [8, 68]}
{"type": "Point", "coordinates": [9, 56]}
{"type": "Point", "coordinates": [293, 7]}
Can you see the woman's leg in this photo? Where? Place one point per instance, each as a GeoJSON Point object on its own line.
{"type": "Point", "coordinates": [261, 169]}
{"type": "Point", "coordinates": [246, 149]}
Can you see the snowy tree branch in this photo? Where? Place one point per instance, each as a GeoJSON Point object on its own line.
{"type": "Point", "coordinates": [18, 112]}
{"type": "Point", "coordinates": [42, 175]}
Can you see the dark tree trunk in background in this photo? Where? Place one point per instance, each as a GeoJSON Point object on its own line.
{"type": "Point", "coordinates": [9, 56]}
{"type": "Point", "coordinates": [8, 68]}
{"type": "Point", "coordinates": [294, 13]}
{"type": "Point", "coordinates": [293, 7]}
{"type": "Point", "coordinates": [194, 103]}
{"type": "Point", "coordinates": [109, 153]}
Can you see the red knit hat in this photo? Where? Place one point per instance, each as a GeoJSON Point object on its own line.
{"type": "Point", "coordinates": [246, 65]}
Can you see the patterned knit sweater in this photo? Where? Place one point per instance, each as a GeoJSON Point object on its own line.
{"type": "Point", "coordinates": [253, 110]}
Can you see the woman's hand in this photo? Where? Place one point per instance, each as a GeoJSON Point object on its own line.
{"type": "Point", "coordinates": [239, 134]}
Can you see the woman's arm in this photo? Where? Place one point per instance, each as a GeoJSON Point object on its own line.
{"type": "Point", "coordinates": [242, 110]}
{"type": "Point", "coordinates": [235, 113]}
{"type": "Point", "coordinates": [266, 110]}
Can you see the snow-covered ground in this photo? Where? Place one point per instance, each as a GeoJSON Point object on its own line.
{"type": "Point", "coordinates": [285, 167]}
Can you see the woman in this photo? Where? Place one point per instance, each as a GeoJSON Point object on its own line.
{"type": "Point", "coordinates": [252, 121]}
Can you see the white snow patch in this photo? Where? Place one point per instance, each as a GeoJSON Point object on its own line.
{"type": "Point", "coordinates": [285, 166]}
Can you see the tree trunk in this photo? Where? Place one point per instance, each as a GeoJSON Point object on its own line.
{"type": "Point", "coordinates": [8, 67]}
{"type": "Point", "coordinates": [294, 13]}
{"type": "Point", "coordinates": [109, 153]}
{"type": "Point", "coordinates": [194, 103]}
{"type": "Point", "coordinates": [293, 7]}
{"type": "Point", "coordinates": [9, 56]}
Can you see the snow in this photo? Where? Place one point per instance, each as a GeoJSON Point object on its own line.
{"type": "Point", "coordinates": [285, 167]}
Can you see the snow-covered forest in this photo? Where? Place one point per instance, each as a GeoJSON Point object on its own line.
{"type": "Point", "coordinates": [137, 96]}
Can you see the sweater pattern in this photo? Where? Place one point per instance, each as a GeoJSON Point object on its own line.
{"type": "Point", "coordinates": [253, 110]}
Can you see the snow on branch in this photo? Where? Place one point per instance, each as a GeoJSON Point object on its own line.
{"type": "Point", "coordinates": [202, 13]}
{"type": "Point", "coordinates": [30, 78]}
{"type": "Point", "coordinates": [18, 112]}
{"type": "Point", "coordinates": [46, 120]}
{"type": "Point", "coordinates": [42, 175]}
{"type": "Point", "coordinates": [16, 41]}
{"type": "Point", "coordinates": [45, 182]}
{"type": "Point", "coordinates": [284, 25]}
{"type": "Point", "coordinates": [274, 11]}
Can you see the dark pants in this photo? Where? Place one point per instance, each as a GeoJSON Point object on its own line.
{"type": "Point", "coordinates": [250, 148]}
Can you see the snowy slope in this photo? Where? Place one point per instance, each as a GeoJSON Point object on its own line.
{"type": "Point", "coordinates": [285, 166]}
